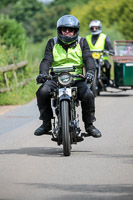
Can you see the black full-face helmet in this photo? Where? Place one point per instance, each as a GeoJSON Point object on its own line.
{"type": "Point", "coordinates": [68, 21]}
{"type": "Point", "coordinates": [95, 23]}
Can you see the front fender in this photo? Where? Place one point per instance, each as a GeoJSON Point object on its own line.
{"type": "Point", "coordinates": [65, 97]}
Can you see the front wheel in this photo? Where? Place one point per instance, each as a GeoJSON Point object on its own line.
{"type": "Point", "coordinates": [65, 128]}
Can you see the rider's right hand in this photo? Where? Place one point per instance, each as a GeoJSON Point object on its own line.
{"type": "Point", "coordinates": [41, 78]}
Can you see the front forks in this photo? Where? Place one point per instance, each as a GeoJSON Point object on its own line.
{"type": "Point", "coordinates": [73, 125]}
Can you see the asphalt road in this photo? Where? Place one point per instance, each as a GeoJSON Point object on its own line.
{"type": "Point", "coordinates": [34, 168]}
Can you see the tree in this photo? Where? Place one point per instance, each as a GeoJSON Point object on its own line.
{"type": "Point", "coordinates": [110, 13]}
{"type": "Point", "coordinates": [125, 18]}
{"type": "Point", "coordinates": [5, 3]}
{"type": "Point", "coordinates": [24, 11]}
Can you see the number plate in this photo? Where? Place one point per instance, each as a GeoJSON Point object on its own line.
{"type": "Point", "coordinates": [67, 91]}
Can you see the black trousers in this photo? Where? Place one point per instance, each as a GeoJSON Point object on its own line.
{"type": "Point", "coordinates": [85, 95]}
{"type": "Point", "coordinates": [107, 67]}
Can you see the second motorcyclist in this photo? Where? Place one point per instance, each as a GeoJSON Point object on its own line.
{"type": "Point", "coordinates": [100, 41]}
{"type": "Point", "coordinates": [67, 49]}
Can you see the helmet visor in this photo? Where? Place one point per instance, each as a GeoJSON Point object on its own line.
{"type": "Point", "coordinates": [65, 29]}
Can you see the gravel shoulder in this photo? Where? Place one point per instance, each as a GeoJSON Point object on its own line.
{"type": "Point", "coordinates": [4, 109]}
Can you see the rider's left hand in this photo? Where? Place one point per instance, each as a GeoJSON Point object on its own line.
{"type": "Point", "coordinates": [111, 52]}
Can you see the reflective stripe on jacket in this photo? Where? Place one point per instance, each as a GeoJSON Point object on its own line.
{"type": "Point", "coordinates": [99, 45]}
{"type": "Point", "coordinates": [73, 57]}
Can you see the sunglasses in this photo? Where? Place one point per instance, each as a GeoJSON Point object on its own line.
{"type": "Point", "coordinates": [65, 29]}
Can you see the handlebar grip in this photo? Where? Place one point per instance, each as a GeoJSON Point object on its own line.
{"type": "Point", "coordinates": [111, 53]}
{"type": "Point", "coordinates": [79, 76]}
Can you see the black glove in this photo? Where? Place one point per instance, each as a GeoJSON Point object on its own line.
{"type": "Point", "coordinates": [89, 77]}
{"type": "Point", "coordinates": [41, 78]}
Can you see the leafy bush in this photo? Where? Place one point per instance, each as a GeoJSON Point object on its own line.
{"type": "Point", "coordinates": [12, 49]}
{"type": "Point", "coordinates": [12, 33]}
{"type": "Point", "coordinates": [9, 55]}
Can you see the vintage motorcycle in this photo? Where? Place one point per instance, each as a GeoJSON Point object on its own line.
{"type": "Point", "coordinates": [100, 79]}
{"type": "Point", "coordinates": [66, 130]}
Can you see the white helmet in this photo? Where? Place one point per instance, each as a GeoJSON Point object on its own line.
{"type": "Point", "coordinates": [96, 23]}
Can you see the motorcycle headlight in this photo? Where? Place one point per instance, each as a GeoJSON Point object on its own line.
{"type": "Point", "coordinates": [64, 78]}
{"type": "Point", "coordinates": [96, 55]}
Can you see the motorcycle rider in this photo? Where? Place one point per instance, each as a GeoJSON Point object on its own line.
{"type": "Point", "coordinates": [67, 49]}
{"type": "Point", "coordinates": [100, 41]}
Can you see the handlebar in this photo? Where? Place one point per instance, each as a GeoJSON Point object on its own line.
{"type": "Point", "coordinates": [78, 76]}
{"type": "Point", "coordinates": [50, 77]}
{"type": "Point", "coordinates": [59, 69]}
{"type": "Point", "coordinates": [111, 52]}
{"type": "Point", "coordinates": [54, 77]}
{"type": "Point", "coordinates": [55, 71]}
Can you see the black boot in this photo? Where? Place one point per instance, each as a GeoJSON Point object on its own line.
{"type": "Point", "coordinates": [92, 131]}
{"type": "Point", "coordinates": [43, 129]}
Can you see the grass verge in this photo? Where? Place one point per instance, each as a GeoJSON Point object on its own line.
{"type": "Point", "coordinates": [19, 95]}
{"type": "Point", "coordinates": [23, 94]}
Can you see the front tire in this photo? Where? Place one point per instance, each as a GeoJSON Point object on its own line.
{"type": "Point", "coordinates": [65, 128]}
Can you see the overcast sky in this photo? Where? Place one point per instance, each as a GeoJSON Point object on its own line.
{"type": "Point", "coordinates": [45, 1]}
